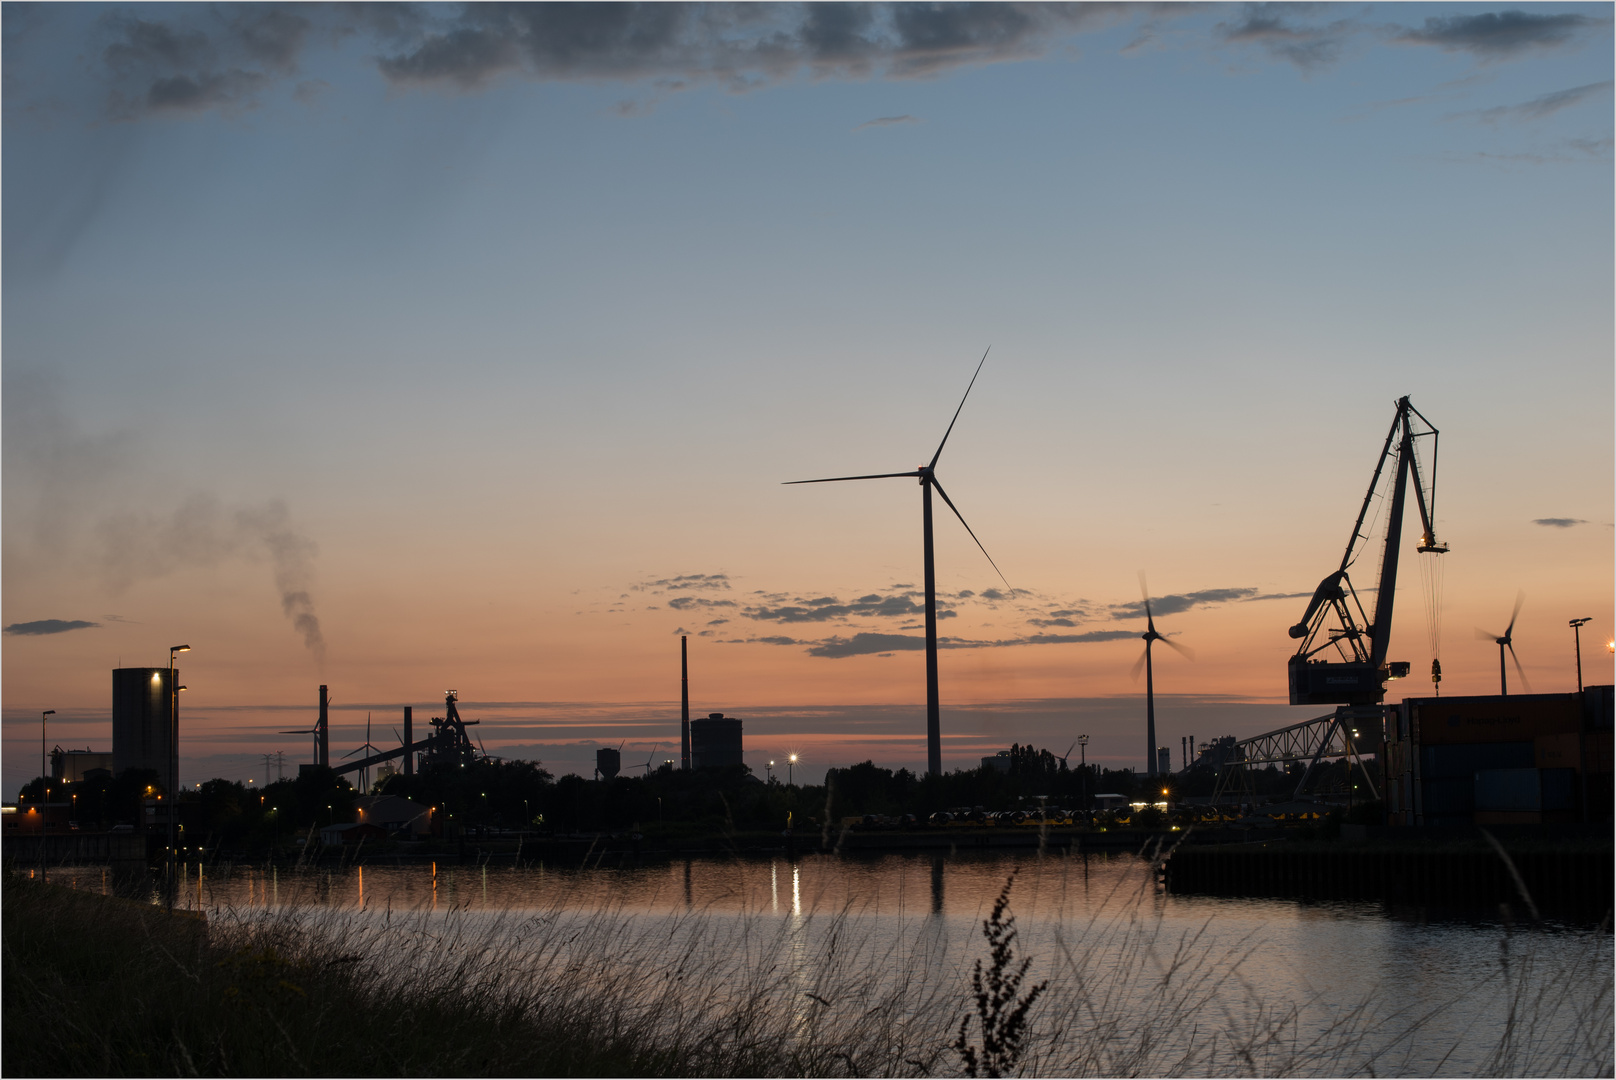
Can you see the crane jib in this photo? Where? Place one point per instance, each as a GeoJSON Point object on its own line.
{"type": "Point", "coordinates": [1350, 673]}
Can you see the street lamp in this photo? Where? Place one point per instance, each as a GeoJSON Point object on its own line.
{"type": "Point", "coordinates": [769, 768]}
{"type": "Point", "coordinates": [790, 762]}
{"type": "Point", "coordinates": [47, 712]}
{"type": "Point", "coordinates": [1576, 630]}
{"type": "Point", "coordinates": [173, 761]}
{"type": "Point", "coordinates": [1083, 764]}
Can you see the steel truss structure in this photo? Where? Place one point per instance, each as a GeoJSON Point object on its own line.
{"type": "Point", "coordinates": [1336, 735]}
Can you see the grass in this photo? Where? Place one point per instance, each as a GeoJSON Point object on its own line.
{"type": "Point", "coordinates": [100, 986]}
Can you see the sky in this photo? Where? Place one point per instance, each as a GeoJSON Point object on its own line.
{"type": "Point", "coordinates": [409, 348]}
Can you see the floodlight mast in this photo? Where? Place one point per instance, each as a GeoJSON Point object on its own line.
{"type": "Point", "coordinates": [1359, 676]}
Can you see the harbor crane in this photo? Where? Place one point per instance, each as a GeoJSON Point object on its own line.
{"type": "Point", "coordinates": [1353, 669]}
{"type": "Point", "coordinates": [1342, 661]}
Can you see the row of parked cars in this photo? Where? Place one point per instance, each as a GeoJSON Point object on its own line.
{"type": "Point", "coordinates": [970, 816]}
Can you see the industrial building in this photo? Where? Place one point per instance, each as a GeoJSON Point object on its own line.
{"type": "Point", "coordinates": [71, 766]}
{"type": "Point", "coordinates": [141, 719]}
{"type": "Point", "coordinates": [715, 741]}
{"type": "Point", "coordinates": [1523, 759]}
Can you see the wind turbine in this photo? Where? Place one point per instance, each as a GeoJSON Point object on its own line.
{"type": "Point", "coordinates": [1507, 641]}
{"type": "Point", "coordinates": [1151, 637]}
{"type": "Point", "coordinates": [364, 773]}
{"type": "Point", "coordinates": [648, 757]}
{"type": "Point", "coordinates": [927, 476]}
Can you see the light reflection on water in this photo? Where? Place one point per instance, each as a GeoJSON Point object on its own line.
{"type": "Point", "coordinates": [1098, 918]}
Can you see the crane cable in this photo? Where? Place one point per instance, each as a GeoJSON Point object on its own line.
{"type": "Point", "coordinates": [1431, 579]}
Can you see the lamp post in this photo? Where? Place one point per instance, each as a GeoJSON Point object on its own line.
{"type": "Point", "coordinates": [47, 712]}
{"type": "Point", "coordinates": [1083, 764]}
{"type": "Point", "coordinates": [1576, 630]}
{"type": "Point", "coordinates": [790, 778]}
{"type": "Point", "coordinates": [769, 768]}
{"type": "Point", "coordinates": [173, 761]}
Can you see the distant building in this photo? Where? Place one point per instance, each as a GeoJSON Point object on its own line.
{"type": "Point", "coordinates": [715, 741]}
{"type": "Point", "coordinates": [140, 719]}
{"type": "Point", "coordinates": [1164, 760]}
{"type": "Point", "coordinates": [1000, 761]}
{"type": "Point", "coordinates": [72, 766]}
{"type": "Point", "coordinates": [394, 814]}
{"type": "Point", "coordinates": [608, 762]}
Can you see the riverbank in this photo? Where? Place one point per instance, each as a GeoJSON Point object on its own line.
{"type": "Point", "coordinates": [100, 986]}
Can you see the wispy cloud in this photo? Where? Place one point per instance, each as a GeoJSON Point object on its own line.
{"type": "Point", "coordinates": [1281, 31]}
{"type": "Point", "coordinates": [1539, 107]}
{"type": "Point", "coordinates": [888, 121]}
{"type": "Point", "coordinates": [1173, 603]}
{"type": "Point", "coordinates": [48, 626]}
{"type": "Point", "coordinates": [1559, 523]}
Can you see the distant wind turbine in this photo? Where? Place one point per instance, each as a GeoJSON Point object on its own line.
{"type": "Point", "coordinates": [367, 749]}
{"type": "Point", "coordinates": [1507, 641]}
{"type": "Point", "coordinates": [927, 476]}
{"type": "Point", "coordinates": [1151, 637]}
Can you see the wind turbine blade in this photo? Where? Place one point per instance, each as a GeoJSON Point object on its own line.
{"type": "Point", "coordinates": [1139, 665]}
{"type": "Point", "coordinates": [1520, 598]}
{"type": "Point", "coordinates": [872, 476]}
{"type": "Point", "coordinates": [961, 517]}
{"type": "Point", "coordinates": [1183, 650]}
{"type": "Point", "coordinates": [1485, 636]}
{"type": "Point", "coordinates": [950, 430]}
{"type": "Point", "coordinates": [1525, 685]}
{"type": "Point", "coordinates": [1069, 750]}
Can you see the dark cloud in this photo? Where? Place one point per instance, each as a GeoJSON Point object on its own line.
{"type": "Point", "coordinates": [1086, 638]}
{"type": "Point", "coordinates": [837, 647]}
{"type": "Point", "coordinates": [685, 603]}
{"type": "Point", "coordinates": [48, 626]}
{"type": "Point", "coordinates": [740, 46]}
{"type": "Point", "coordinates": [684, 582]}
{"type": "Point", "coordinates": [1539, 107]}
{"type": "Point", "coordinates": [205, 58]}
{"type": "Point", "coordinates": [1499, 34]}
{"type": "Point", "coordinates": [1558, 523]}
{"type": "Point", "coordinates": [830, 609]}
{"type": "Point", "coordinates": [1172, 604]}
{"type": "Point", "coordinates": [1305, 47]}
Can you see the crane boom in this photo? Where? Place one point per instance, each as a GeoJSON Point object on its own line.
{"type": "Point", "coordinates": [1357, 673]}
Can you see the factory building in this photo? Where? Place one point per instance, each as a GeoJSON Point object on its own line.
{"type": "Point", "coordinates": [1522, 759]}
{"type": "Point", "coordinates": [715, 741]}
{"type": "Point", "coordinates": [141, 719]}
{"type": "Point", "coordinates": [71, 766]}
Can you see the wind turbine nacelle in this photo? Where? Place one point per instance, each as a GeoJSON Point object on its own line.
{"type": "Point", "coordinates": [1325, 683]}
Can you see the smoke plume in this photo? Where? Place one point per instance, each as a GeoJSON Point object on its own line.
{"type": "Point", "coordinates": [202, 532]}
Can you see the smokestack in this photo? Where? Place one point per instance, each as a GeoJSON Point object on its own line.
{"type": "Point", "coordinates": [409, 740]}
{"type": "Point", "coordinates": [323, 733]}
{"type": "Point", "coordinates": [684, 702]}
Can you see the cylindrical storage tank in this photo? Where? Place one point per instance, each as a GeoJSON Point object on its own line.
{"type": "Point", "coordinates": [715, 741]}
{"type": "Point", "coordinates": [140, 720]}
{"type": "Point", "coordinates": [607, 762]}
